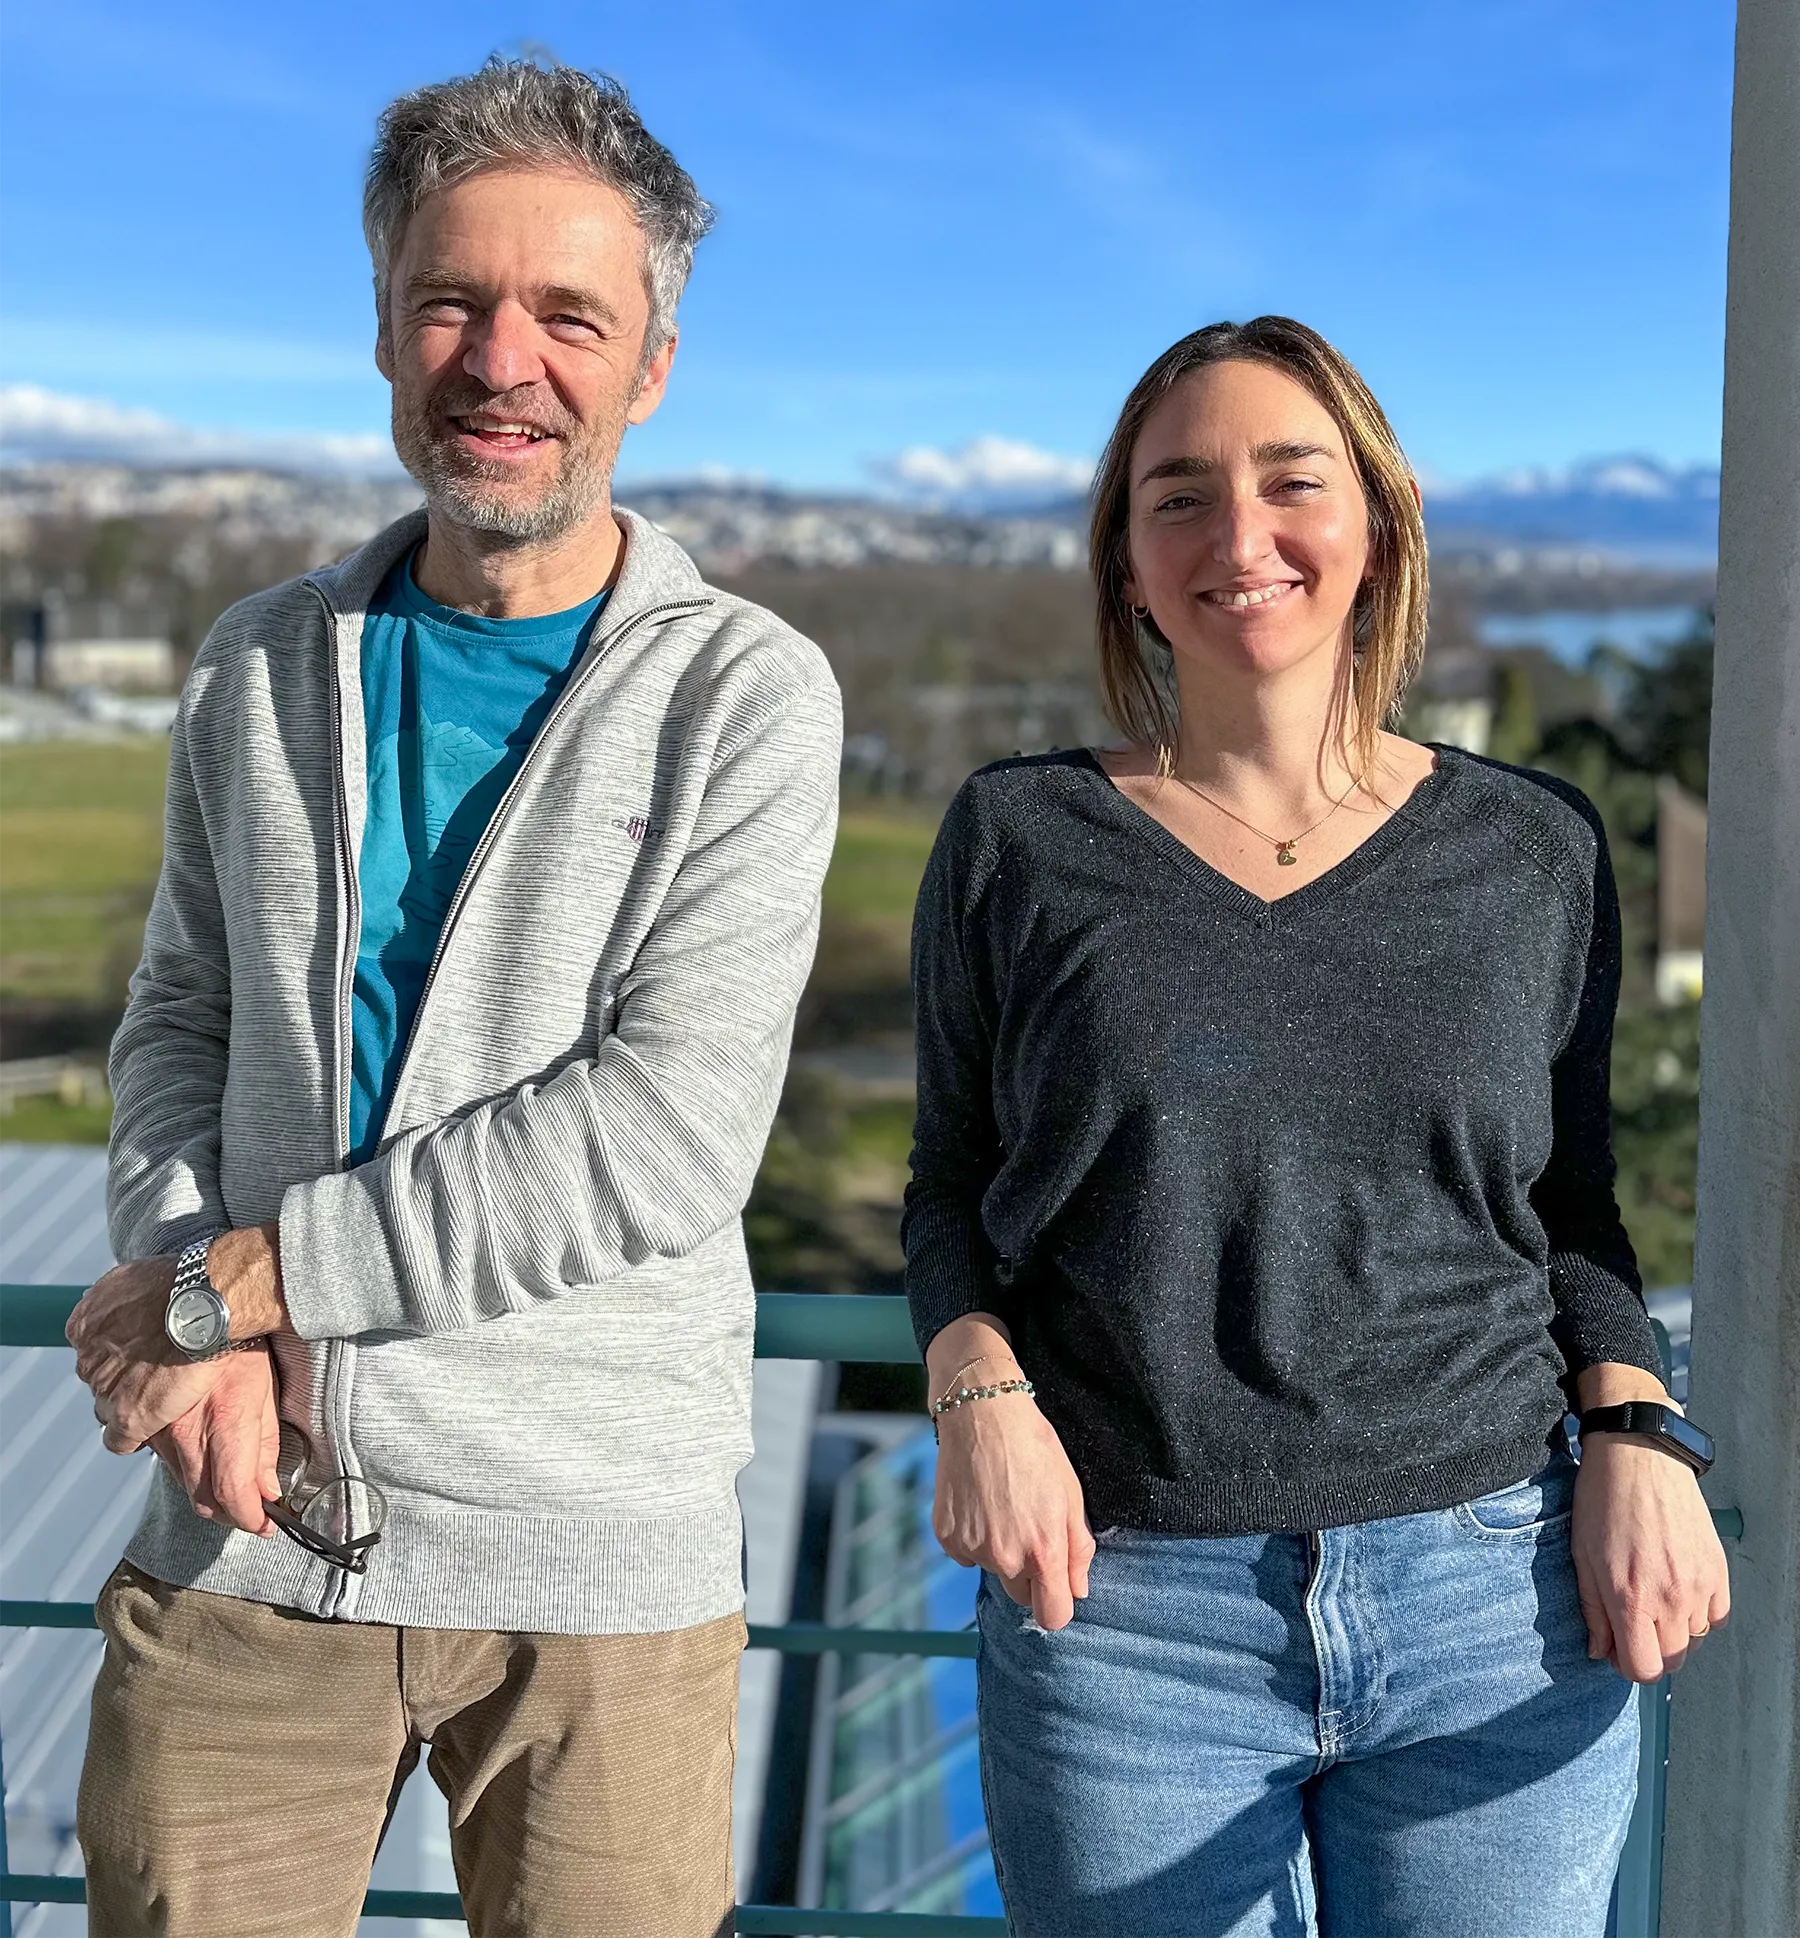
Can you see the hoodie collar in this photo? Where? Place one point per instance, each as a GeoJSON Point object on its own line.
{"type": "Point", "coordinates": [655, 572]}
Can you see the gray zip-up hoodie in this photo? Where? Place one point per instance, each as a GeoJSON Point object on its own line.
{"type": "Point", "coordinates": [528, 1318]}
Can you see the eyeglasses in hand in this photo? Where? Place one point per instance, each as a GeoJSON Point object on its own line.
{"type": "Point", "coordinates": [339, 1522]}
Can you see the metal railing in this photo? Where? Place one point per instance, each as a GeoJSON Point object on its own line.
{"type": "Point", "coordinates": [798, 1325]}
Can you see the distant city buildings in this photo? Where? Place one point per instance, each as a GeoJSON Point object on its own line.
{"type": "Point", "coordinates": [729, 528]}
{"type": "Point", "coordinates": [58, 645]}
{"type": "Point", "coordinates": [725, 527]}
{"type": "Point", "coordinates": [335, 513]}
{"type": "Point", "coordinates": [85, 669]}
{"type": "Point", "coordinates": [1624, 533]}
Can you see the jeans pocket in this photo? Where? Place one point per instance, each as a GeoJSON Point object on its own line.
{"type": "Point", "coordinates": [1526, 1511]}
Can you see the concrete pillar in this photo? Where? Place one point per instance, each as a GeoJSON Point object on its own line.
{"type": "Point", "coordinates": [1732, 1842]}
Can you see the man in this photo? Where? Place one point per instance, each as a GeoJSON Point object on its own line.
{"type": "Point", "coordinates": [490, 885]}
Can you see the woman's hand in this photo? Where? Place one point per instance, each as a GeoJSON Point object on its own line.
{"type": "Point", "coordinates": [1651, 1571]}
{"type": "Point", "coordinates": [1007, 1498]}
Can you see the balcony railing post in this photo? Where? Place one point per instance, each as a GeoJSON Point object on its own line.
{"type": "Point", "coordinates": [1732, 1848]}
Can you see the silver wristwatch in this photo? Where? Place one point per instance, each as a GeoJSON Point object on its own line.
{"type": "Point", "coordinates": [197, 1319]}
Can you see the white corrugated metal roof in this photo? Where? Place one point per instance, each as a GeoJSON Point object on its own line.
{"type": "Point", "coordinates": [53, 1213]}
{"type": "Point", "coordinates": [66, 1509]}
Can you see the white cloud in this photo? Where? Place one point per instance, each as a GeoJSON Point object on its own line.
{"type": "Point", "coordinates": [987, 471]}
{"type": "Point", "coordinates": [39, 426]}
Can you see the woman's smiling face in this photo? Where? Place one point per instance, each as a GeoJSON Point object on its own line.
{"type": "Point", "coordinates": [1249, 528]}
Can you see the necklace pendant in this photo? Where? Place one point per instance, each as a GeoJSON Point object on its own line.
{"type": "Point", "coordinates": [1285, 856]}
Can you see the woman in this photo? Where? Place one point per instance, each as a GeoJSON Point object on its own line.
{"type": "Point", "coordinates": [1262, 1217]}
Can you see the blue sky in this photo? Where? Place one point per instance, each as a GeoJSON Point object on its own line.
{"type": "Point", "coordinates": [937, 222]}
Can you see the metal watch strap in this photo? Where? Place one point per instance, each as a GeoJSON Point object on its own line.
{"type": "Point", "coordinates": [190, 1263]}
{"type": "Point", "coordinates": [191, 1275]}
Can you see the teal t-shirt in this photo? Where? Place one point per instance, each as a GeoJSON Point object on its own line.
{"type": "Point", "coordinates": [450, 705]}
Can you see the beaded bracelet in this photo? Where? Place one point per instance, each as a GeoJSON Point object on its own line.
{"type": "Point", "coordinates": [964, 1394]}
{"type": "Point", "coordinates": [968, 1366]}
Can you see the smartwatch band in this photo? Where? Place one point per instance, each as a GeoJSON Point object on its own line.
{"type": "Point", "coordinates": [1671, 1432]}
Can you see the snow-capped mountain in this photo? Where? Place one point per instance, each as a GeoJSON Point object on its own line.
{"type": "Point", "coordinates": [1633, 508]}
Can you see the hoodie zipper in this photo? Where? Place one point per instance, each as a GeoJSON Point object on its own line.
{"type": "Point", "coordinates": [601, 650]}
{"type": "Point", "coordinates": [352, 927]}
{"type": "Point", "coordinates": [333, 1415]}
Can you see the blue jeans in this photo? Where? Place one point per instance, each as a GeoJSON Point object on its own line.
{"type": "Point", "coordinates": [1384, 1731]}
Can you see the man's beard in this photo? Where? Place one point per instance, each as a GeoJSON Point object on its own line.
{"type": "Point", "coordinates": [484, 497]}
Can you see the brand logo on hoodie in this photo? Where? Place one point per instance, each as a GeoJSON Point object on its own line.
{"type": "Point", "coordinates": [638, 827]}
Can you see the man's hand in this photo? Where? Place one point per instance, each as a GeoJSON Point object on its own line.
{"type": "Point", "coordinates": [140, 1382]}
{"type": "Point", "coordinates": [224, 1451]}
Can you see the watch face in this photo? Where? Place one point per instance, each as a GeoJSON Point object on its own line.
{"type": "Point", "coordinates": [1686, 1434]}
{"type": "Point", "coordinates": [197, 1321]}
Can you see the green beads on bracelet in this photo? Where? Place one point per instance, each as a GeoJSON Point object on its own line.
{"type": "Point", "coordinates": [964, 1394]}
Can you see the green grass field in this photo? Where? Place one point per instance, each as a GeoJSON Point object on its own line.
{"type": "Point", "coordinates": [81, 841]}
{"type": "Point", "coordinates": [47, 1120]}
{"type": "Point", "coordinates": [865, 931]}
{"type": "Point", "coordinates": [825, 1213]}
{"type": "Point", "coordinates": [80, 844]}
{"type": "Point", "coordinates": [874, 873]}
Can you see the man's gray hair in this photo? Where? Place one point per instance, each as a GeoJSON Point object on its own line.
{"type": "Point", "coordinates": [516, 113]}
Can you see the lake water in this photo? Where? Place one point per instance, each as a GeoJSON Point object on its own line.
{"type": "Point", "coordinates": [1638, 630]}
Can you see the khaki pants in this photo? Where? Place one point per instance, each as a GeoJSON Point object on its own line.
{"type": "Point", "coordinates": [242, 1761]}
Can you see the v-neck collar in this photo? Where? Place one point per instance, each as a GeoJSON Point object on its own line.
{"type": "Point", "coordinates": [1406, 820]}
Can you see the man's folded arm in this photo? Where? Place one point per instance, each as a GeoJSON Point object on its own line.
{"type": "Point", "coordinates": [167, 1066]}
{"type": "Point", "coordinates": [647, 1149]}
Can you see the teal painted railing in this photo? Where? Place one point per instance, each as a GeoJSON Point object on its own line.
{"type": "Point", "coordinates": [796, 1325]}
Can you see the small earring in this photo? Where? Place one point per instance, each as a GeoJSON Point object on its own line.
{"type": "Point", "coordinates": [1140, 612]}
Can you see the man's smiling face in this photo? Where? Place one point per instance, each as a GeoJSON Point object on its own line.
{"type": "Point", "coordinates": [514, 340]}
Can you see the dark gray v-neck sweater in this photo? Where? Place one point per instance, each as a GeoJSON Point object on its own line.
{"type": "Point", "coordinates": [1299, 1211]}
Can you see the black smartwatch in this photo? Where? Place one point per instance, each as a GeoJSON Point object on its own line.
{"type": "Point", "coordinates": [1652, 1420]}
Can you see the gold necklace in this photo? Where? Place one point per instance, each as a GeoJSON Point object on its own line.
{"type": "Point", "coordinates": [1284, 850]}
